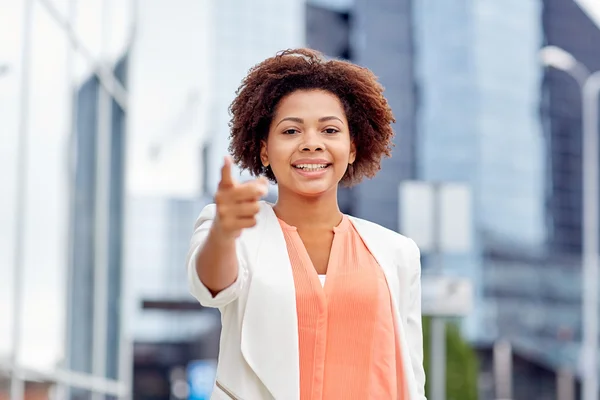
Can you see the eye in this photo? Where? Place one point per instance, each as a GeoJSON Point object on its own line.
{"type": "Point", "coordinates": [331, 130]}
{"type": "Point", "coordinates": [290, 131]}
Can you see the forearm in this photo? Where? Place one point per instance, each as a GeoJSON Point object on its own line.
{"type": "Point", "coordinates": [216, 262]}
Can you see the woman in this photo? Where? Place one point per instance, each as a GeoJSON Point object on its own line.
{"type": "Point", "coordinates": [314, 304]}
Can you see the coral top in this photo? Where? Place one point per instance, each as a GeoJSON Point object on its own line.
{"type": "Point", "coordinates": [348, 344]}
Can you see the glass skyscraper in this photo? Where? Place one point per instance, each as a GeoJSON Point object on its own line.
{"type": "Point", "coordinates": [567, 26]}
{"type": "Point", "coordinates": [84, 219]}
{"type": "Point", "coordinates": [478, 123]}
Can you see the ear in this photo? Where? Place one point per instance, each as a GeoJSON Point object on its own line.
{"type": "Point", "coordinates": [264, 157]}
{"type": "Point", "coordinates": [352, 156]}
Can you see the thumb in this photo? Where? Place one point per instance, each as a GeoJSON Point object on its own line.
{"type": "Point", "coordinates": [226, 178]}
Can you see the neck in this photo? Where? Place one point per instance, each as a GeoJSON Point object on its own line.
{"type": "Point", "coordinates": [308, 212]}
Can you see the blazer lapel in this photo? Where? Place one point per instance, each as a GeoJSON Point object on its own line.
{"type": "Point", "coordinates": [270, 327]}
{"type": "Point", "coordinates": [394, 269]}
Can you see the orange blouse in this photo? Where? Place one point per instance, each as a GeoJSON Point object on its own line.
{"type": "Point", "coordinates": [348, 344]}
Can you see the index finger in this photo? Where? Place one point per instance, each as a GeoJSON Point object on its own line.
{"type": "Point", "coordinates": [226, 178]}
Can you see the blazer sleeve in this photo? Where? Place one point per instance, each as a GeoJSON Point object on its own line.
{"type": "Point", "coordinates": [197, 288]}
{"type": "Point", "coordinates": [414, 319]}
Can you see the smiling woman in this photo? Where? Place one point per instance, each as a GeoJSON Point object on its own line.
{"type": "Point", "coordinates": [315, 304]}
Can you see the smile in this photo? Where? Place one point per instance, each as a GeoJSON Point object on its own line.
{"type": "Point", "coordinates": [311, 167]}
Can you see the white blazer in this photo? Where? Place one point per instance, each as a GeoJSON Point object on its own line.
{"type": "Point", "coordinates": [258, 356]}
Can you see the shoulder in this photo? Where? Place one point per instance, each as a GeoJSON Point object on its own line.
{"type": "Point", "coordinates": [386, 236]}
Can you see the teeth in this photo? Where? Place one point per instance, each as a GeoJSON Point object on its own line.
{"type": "Point", "coordinates": [311, 167]}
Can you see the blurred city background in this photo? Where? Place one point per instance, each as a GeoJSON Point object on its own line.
{"type": "Point", "coordinates": [114, 123]}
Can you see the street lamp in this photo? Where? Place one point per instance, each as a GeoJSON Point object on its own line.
{"type": "Point", "coordinates": [558, 58]}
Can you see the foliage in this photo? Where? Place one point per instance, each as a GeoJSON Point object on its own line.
{"type": "Point", "coordinates": [461, 363]}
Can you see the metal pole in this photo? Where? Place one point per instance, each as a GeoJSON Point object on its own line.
{"type": "Point", "coordinates": [17, 385]}
{"type": "Point", "coordinates": [102, 218]}
{"type": "Point", "coordinates": [590, 224]}
{"type": "Point", "coordinates": [438, 324]}
{"type": "Point", "coordinates": [503, 370]}
{"type": "Point", "coordinates": [63, 391]}
{"type": "Point", "coordinates": [125, 367]}
{"type": "Point", "coordinates": [565, 385]}
{"type": "Point", "coordinates": [438, 358]}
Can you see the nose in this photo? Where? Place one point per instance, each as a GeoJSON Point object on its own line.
{"type": "Point", "coordinates": [312, 141]}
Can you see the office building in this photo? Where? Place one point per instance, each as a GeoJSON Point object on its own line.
{"type": "Point", "coordinates": [478, 124]}
{"type": "Point", "coordinates": [566, 25]}
{"type": "Point", "coordinates": [82, 332]}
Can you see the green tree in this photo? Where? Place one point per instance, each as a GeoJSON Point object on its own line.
{"type": "Point", "coordinates": [461, 363]}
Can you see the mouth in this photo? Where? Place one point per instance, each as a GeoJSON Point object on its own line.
{"type": "Point", "coordinates": [311, 167]}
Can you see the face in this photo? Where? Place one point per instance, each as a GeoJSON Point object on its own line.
{"type": "Point", "coordinates": [308, 147]}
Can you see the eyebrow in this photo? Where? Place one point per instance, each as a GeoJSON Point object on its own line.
{"type": "Point", "coordinates": [301, 121]}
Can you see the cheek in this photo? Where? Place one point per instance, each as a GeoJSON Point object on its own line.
{"type": "Point", "coordinates": [278, 152]}
{"type": "Point", "coordinates": [343, 153]}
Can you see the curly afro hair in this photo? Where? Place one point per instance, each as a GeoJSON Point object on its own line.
{"type": "Point", "coordinates": [368, 113]}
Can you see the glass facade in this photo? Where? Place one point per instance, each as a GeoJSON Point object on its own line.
{"type": "Point", "coordinates": [511, 148]}
{"type": "Point", "coordinates": [84, 217]}
{"type": "Point", "coordinates": [479, 118]}
{"type": "Point", "coordinates": [382, 39]}
{"type": "Point", "coordinates": [567, 26]}
{"type": "Point", "coordinates": [68, 100]}
{"type": "Point", "coordinates": [478, 123]}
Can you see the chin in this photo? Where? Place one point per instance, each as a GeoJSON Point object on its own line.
{"type": "Point", "coordinates": [314, 190]}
